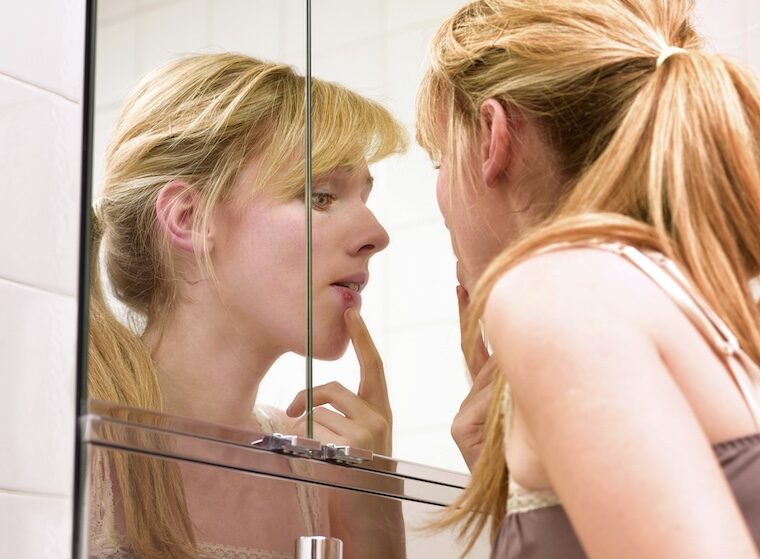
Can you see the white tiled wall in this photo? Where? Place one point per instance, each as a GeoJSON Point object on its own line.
{"type": "Point", "coordinates": [41, 73]}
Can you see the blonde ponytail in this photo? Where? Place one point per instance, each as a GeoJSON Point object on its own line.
{"type": "Point", "coordinates": [121, 370]}
{"type": "Point", "coordinates": [662, 155]}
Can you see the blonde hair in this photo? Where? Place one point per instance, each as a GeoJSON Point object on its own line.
{"type": "Point", "coordinates": [664, 157]}
{"type": "Point", "coordinates": [198, 119]}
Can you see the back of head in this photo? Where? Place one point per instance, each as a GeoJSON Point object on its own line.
{"type": "Point", "coordinates": [198, 120]}
{"type": "Point", "coordinates": [659, 151]}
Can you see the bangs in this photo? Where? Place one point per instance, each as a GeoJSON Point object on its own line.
{"type": "Point", "coordinates": [347, 131]}
{"type": "Point", "coordinates": [350, 129]}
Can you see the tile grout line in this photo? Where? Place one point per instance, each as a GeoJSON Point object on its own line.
{"type": "Point", "coordinates": [25, 493]}
{"type": "Point", "coordinates": [38, 87]}
{"type": "Point", "coordinates": [46, 291]}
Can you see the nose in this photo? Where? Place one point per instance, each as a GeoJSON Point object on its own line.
{"type": "Point", "coordinates": [371, 236]}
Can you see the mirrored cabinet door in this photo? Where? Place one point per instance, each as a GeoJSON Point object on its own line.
{"type": "Point", "coordinates": [199, 221]}
{"type": "Point", "coordinates": [377, 49]}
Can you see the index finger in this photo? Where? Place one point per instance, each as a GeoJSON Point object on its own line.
{"type": "Point", "coordinates": [372, 385]}
{"type": "Point", "coordinates": [477, 359]}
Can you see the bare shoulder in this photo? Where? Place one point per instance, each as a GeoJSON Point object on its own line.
{"type": "Point", "coordinates": [570, 291]}
{"type": "Point", "coordinates": [576, 333]}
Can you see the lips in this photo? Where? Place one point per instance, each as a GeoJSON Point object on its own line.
{"type": "Point", "coordinates": [350, 285]}
{"type": "Point", "coordinates": [355, 282]}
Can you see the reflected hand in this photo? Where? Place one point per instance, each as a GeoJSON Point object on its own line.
{"type": "Point", "coordinates": [365, 419]}
{"type": "Point", "coordinates": [468, 427]}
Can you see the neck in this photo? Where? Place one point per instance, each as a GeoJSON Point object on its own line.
{"type": "Point", "coordinates": [207, 369]}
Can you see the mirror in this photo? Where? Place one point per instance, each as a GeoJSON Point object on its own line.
{"type": "Point", "coordinates": [380, 56]}
{"type": "Point", "coordinates": [168, 142]}
{"type": "Point", "coordinates": [156, 275]}
{"type": "Point", "coordinates": [409, 304]}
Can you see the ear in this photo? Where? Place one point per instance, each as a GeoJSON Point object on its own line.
{"type": "Point", "coordinates": [494, 146]}
{"type": "Point", "coordinates": [176, 207]}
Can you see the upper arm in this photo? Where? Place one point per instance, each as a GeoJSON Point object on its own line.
{"type": "Point", "coordinates": [618, 440]}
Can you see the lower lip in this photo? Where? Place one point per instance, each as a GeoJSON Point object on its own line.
{"type": "Point", "coordinates": [348, 296]}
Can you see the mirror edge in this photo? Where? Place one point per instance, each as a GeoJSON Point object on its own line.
{"type": "Point", "coordinates": [88, 96]}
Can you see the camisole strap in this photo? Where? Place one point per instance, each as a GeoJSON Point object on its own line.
{"type": "Point", "coordinates": [665, 273]}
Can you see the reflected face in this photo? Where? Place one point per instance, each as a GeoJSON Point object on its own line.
{"type": "Point", "coordinates": [259, 256]}
{"type": "Point", "coordinates": [345, 235]}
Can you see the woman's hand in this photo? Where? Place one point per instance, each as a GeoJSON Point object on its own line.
{"type": "Point", "coordinates": [365, 419]}
{"type": "Point", "coordinates": [468, 427]}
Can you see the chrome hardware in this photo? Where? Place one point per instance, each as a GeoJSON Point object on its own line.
{"type": "Point", "coordinates": [318, 547]}
{"type": "Point", "coordinates": [344, 454]}
{"type": "Point", "coordinates": [309, 448]}
{"type": "Point", "coordinates": [290, 444]}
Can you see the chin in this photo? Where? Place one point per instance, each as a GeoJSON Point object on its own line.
{"type": "Point", "coordinates": [330, 350]}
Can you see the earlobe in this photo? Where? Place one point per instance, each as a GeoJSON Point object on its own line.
{"type": "Point", "coordinates": [176, 207]}
{"type": "Point", "coordinates": [494, 129]}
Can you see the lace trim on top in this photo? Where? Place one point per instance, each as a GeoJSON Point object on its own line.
{"type": "Point", "coordinates": [666, 274]}
{"type": "Point", "coordinates": [205, 551]}
{"type": "Point", "coordinates": [105, 543]}
{"type": "Point", "coordinates": [101, 529]}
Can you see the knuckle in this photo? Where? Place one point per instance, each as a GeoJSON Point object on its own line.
{"type": "Point", "coordinates": [334, 385]}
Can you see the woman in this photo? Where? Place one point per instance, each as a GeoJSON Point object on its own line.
{"type": "Point", "coordinates": [600, 176]}
{"type": "Point", "coordinates": [201, 227]}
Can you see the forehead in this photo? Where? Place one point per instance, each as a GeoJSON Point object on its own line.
{"type": "Point", "coordinates": [356, 174]}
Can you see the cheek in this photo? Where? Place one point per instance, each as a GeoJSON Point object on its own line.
{"type": "Point", "coordinates": [260, 264]}
{"type": "Point", "coordinates": [442, 194]}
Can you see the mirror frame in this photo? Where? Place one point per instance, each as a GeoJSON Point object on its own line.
{"type": "Point", "coordinates": [83, 290]}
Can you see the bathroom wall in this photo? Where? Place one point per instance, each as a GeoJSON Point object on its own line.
{"type": "Point", "coordinates": [41, 51]}
{"type": "Point", "coordinates": [41, 73]}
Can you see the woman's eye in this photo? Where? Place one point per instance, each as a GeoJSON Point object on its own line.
{"type": "Point", "coordinates": [321, 200]}
{"type": "Point", "coordinates": [437, 166]}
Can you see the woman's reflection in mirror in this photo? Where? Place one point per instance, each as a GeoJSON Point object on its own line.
{"type": "Point", "coordinates": [200, 229]}
{"type": "Point", "coordinates": [600, 177]}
